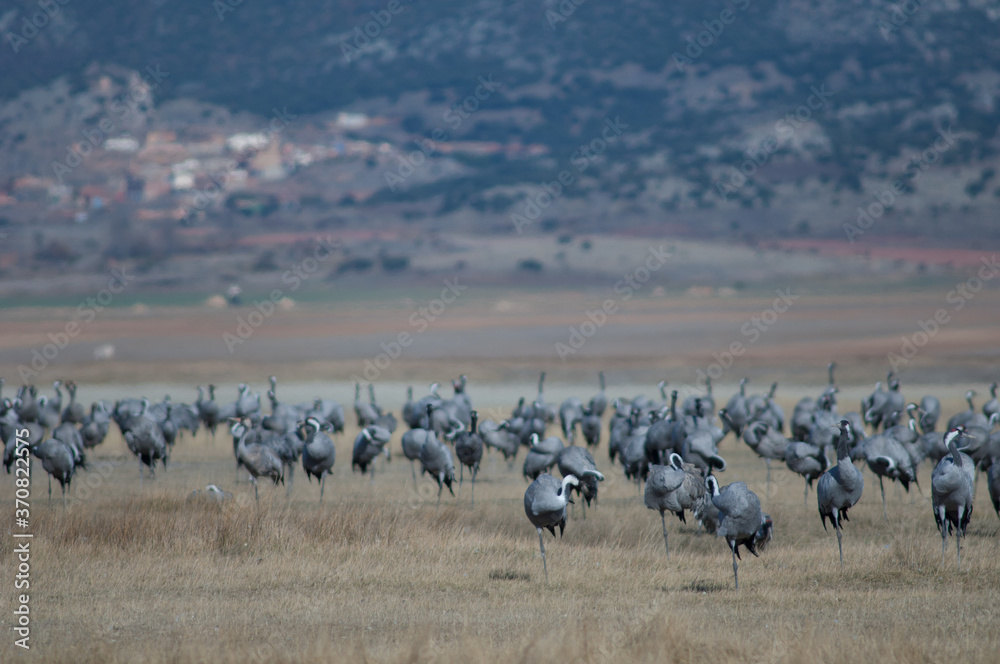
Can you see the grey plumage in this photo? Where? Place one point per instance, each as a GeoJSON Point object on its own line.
{"type": "Point", "coordinates": [258, 459]}
{"type": "Point", "coordinates": [806, 460]}
{"type": "Point", "coordinates": [318, 452]}
{"type": "Point", "coordinates": [579, 462]}
{"type": "Point", "coordinates": [674, 488]}
{"type": "Point", "coordinates": [742, 522]}
{"type": "Point", "coordinates": [541, 456]}
{"type": "Point", "coordinates": [888, 459]}
{"type": "Point", "coordinates": [368, 444]}
{"type": "Point", "coordinates": [58, 460]}
{"type": "Point", "coordinates": [952, 492]}
{"type": "Point", "coordinates": [839, 488]}
{"type": "Point", "coordinates": [545, 502]}
{"type": "Point", "coordinates": [435, 459]}
{"type": "Point", "coordinates": [469, 450]}
{"type": "Point", "coordinates": [993, 484]}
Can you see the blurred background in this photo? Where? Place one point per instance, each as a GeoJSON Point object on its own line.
{"type": "Point", "coordinates": [193, 190]}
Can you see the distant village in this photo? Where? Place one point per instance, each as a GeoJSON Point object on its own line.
{"type": "Point", "coordinates": [182, 177]}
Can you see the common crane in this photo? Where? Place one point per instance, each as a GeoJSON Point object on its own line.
{"type": "Point", "coordinates": [545, 503]}
{"type": "Point", "coordinates": [839, 489]}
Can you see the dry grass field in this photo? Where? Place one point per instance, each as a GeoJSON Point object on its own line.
{"type": "Point", "coordinates": [379, 573]}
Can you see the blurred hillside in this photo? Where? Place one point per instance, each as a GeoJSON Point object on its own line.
{"type": "Point", "coordinates": [736, 120]}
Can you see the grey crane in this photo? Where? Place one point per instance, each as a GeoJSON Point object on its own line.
{"type": "Point", "coordinates": [258, 459]}
{"type": "Point", "coordinates": [887, 458]}
{"type": "Point", "coordinates": [545, 502]}
{"type": "Point", "coordinates": [570, 414]}
{"type": "Point", "coordinates": [365, 412]}
{"type": "Point", "coordinates": [839, 489]}
{"type": "Point", "coordinates": [806, 460]}
{"type": "Point", "coordinates": [58, 461]}
{"type": "Point", "coordinates": [368, 444]}
{"type": "Point", "coordinates": [993, 483]}
{"type": "Point", "coordinates": [993, 405]}
{"type": "Point", "coordinates": [74, 411]}
{"type": "Point", "coordinates": [590, 426]}
{"type": "Point", "coordinates": [700, 449]}
{"type": "Point", "coordinates": [742, 523]}
{"type": "Point", "coordinates": [145, 440]}
{"type": "Point", "coordinates": [318, 451]}
{"type": "Point", "coordinates": [707, 401]}
{"type": "Point", "coordinates": [674, 488]}
{"type": "Point", "coordinates": [599, 402]}
{"type": "Point", "coordinates": [499, 437]}
{"type": "Point", "coordinates": [766, 441]}
{"type": "Point", "coordinates": [469, 450]}
{"type": "Point", "coordinates": [871, 406]}
{"type": "Point", "coordinates": [435, 459]}
{"type": "Point", "coordinates": [952, 492]}
{"type": "Point", "coordinates": [48, 414]}
{"type": "Point", "coordinates": [413, 440]}
{"type": "Point", "coordinates": [208, 409]}
{"type": "Point", "coordinates": [929, 410]}
{"type": "Point", "coordinates": [542, 455]}
{"type": "Point", "coordinates": [968, 417]}
{"type": "Point", "coordinates": [411, 411]}
{"type": "Point", "coordinates": [737, 409]}
{"type": "Point", "coordinates": [579, 462]}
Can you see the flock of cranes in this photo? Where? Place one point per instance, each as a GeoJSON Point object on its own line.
{"type": "Point", "coordinates": [671, 447]}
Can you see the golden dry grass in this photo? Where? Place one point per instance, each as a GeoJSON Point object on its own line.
{"type": "Point", "coordinates": [377, 573]}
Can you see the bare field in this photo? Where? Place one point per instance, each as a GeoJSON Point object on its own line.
{"type": "Point", "coordinates": [379, 573]}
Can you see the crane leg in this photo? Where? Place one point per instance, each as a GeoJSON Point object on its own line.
{"type": "Point", "coordinates": [944, 539]}
{"type": "Point", "coordinates": [414, 471]}
{"type": "Point", "coordinates": [663, 520]}
{"type": "Point", "coordinates": [736, 575]}
{"type": "Point", "coordinates": [767, 485]}
{"type": "Point", "coordinates": [958, 538]}
{"type": "Point", "coordinates": [291, 477]}
{"type": "Point", "coordinates": [322, 484]}
{"type": "Point", "coordinates": [840, 544]}
{"type": "Point", "coordinates": [882, 486]}
{"type": "Point", "coordinates": [50, 490]}
{"type": "Point", "coordinates": [583, 506]}
{"type": "Point", "coordinates": [64, 507]}
{"type": "Point", "coordinates": [440, 489]}
{"type": "Point", "coordinates": [475, 472]}
{"type": "Point", "coordinates": [541, 544]}
{"type": "Point", "coordinates": [805, 498]}
{"type": "Point", "coordinates": [255, 494]}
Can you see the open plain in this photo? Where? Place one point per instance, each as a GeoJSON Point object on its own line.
{"type": "Point", "coordinates": [380, 573]}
